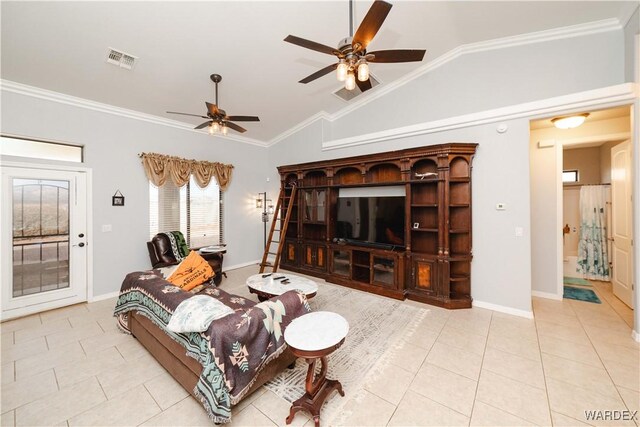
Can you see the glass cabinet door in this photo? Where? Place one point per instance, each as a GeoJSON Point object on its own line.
{"type": "Point", "coordinates": [321, 202]}
{"type": "Point", "coordinates": [308, 205]}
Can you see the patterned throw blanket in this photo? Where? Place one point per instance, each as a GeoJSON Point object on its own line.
{"type": "Point", "coordinates": [232, 351]}
{"type": "Point", "coordinates": [179, 248]}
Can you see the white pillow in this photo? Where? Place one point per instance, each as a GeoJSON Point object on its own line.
{"type": "Point", "coordinates": [168, 271]}
{"type": "Point", "coordinates": [195, 314]}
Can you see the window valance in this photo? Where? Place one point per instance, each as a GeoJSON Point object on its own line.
{"type": "Point", "coordinates": [159, 167]}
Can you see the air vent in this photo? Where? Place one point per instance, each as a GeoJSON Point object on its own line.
{"type": "Point", "coordinates": [348, 95]}
{"type": "Point", "coordinates": [121, 59]}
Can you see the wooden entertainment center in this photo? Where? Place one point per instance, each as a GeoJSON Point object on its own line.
{"type": "Point", "coordinates": [433, 265]}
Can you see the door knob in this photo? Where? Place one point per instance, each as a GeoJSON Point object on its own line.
{"type": "Point", "coordinates": [81, 235]}
{"type": "Point", "coordinates": [81, 244]}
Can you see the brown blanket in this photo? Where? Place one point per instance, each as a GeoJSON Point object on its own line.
{"type": "Point", "coordinates": [233, 350]}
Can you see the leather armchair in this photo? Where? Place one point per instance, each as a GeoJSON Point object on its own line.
{"type": "Point", "coordinates": [161, 255]}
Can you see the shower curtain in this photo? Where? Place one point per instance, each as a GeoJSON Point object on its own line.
{"type": "Point", "coordinates": [593, 260]}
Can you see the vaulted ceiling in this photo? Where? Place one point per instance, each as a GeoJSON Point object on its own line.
{"type": "Point", "coordinates": [62, 47]}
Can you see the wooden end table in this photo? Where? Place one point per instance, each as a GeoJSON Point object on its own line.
{"type": "Point", "coordinates": [313, 337]}
{"type": "Point", "coordinates": [267, 287]}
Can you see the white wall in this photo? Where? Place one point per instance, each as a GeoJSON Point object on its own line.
{"type": "Point", "coordinates": [501, 263]}
{"type": "Point", "coordinates": [111, 147]}
{"type": "Point", "coordinates": [493, 79]}
{"type": "Point", "coordinates": [501, 268]}
{"type": "Point", "coordinates": [630, 49]}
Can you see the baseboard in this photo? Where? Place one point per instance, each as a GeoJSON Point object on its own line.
{"type": "Point", "coordinates": [547, 295]}
{"type": "Point", "coordinates": [635, 335]}
{"type": "Point", "coordinates": [97, 298]}
{"type": "Point", "coordinates": [244, 264]}
{"type": "Point", "coordinates": [503, 309]}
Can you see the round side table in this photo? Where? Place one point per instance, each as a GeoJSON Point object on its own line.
{"type": "Point", "coordinates": [313, 337]}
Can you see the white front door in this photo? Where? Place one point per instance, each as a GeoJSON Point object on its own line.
{"type": "Point", "coordinates": [622, 230]}
{"type": "Point", "coordinates": [44, 241]}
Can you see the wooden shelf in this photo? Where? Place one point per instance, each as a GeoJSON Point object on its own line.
{"type": "Point", "coordinates": [426, 181]}
{"type": "Point", "coordinates": [433, 275]}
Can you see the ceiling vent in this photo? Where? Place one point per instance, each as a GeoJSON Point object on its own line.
{"type": "Point", "coordinates": [121, 59]}
{"type": "Point", "coordinates": [348, 95]}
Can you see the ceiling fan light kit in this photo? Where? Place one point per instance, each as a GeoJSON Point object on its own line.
{"type": "Point", "coordinates": [353, 59]}
{"type": "Point", "coordinates": [218, 120]}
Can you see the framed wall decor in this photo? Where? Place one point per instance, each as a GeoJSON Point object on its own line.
{"type": "Point", "coordinates": [117, 199]}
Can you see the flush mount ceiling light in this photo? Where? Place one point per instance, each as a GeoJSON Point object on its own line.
{"type": "Point", "coordinates": [569, 122]}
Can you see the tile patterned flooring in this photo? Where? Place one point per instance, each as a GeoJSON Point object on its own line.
{"type": "Point", "coordinates": [71, 367]}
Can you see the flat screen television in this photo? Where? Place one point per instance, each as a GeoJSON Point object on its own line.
{"type": "Point", "coordinates": [371, 219]}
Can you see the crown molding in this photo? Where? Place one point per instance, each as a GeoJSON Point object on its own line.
{"type": "Point", "coordinates": [322, 115]}
{"type": "Point", "coordinates": [61, 98]}
{"type": "Point", "coordinates": [601, 98]}
{"type": "Point", "coordinates": [502, 43]}
{"type": "Point", "coordinates": [377, 92]}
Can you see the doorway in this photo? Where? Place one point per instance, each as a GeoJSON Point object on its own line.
{"type": "Point", "coordinates": [43, 238]}
{"type": "Point", "coordinates": [593, 159]}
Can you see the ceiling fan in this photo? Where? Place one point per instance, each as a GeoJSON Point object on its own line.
{"type": "Point", "coordinates": [353, 58]}
{"type": "Point", "coordinates": [218, 121]}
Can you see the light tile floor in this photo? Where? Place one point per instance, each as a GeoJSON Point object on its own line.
{"type": "Point", "coordinates": [467, 367]}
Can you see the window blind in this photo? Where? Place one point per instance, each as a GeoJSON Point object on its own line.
{"type": "Point", "coordinates": [195, 211]}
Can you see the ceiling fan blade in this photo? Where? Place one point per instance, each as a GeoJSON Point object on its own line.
{"type": "Point", "coordinates": [187, 114]}
{"type": "Point", "coordinates": [243, 118]}
{"type": "Point", "coordinates": [397, 55]}
{"type": "Point", "coordinates": [370, 24]}
{"type": "Point", "coordinates": [364, 86]}
{"type": "Point", "coordinates": [203, 125]}
{"type": "Point", "coordinates": [235, 127]}
{"type": "Point", "coordinates": [319, 73]}
{"type": "Point", "coordinates": [212, 108]}
{"type": "Point", "coordinates": [312, 45]}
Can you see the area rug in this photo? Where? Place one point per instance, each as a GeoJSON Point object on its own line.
{"type": "Point", "coordinates": [575, 281]}
{"type": "Point", "coordinates": [376, 327]}
{"type": "Point", "coordinates": [581, 294]}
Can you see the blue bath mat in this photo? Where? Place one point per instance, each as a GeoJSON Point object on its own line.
{"type": "Point", "coordinates": [581, 294]}
{"type": "Point", "coordinates": [575, 281]}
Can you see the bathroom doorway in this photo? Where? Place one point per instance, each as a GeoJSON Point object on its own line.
{"type": "Point", "coordinates": [585, 212]}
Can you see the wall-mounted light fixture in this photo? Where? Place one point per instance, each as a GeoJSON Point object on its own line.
{"type": "Point", "coordinates": [569, 122]}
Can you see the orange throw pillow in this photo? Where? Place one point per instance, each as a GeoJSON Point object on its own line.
{"type": "Point", "coordinates": [191, 272]}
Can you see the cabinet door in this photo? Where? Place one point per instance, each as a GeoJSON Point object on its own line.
{"type": "Point", "coordinates": [321, 202]}
{"type": "Point", "coordinates": [315, 256]}
{"type": "Point", "coordinates": [314, 204]}
{"type": "Point", "coordinates": [424, 275]}
{"type": "Point", "coordinates": [308, 256]}
{"type": "Point", "coordinates": [341, 263]}
{"type": "Point", "coordinates": [290, 252]}
{"type": "Point", "coordinates": [307, 205]}
{"type": "Point", "coordinates": [384, 271]}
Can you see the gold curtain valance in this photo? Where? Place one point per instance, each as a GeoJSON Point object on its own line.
{"type": "Point", "coordinates": [159, 167]}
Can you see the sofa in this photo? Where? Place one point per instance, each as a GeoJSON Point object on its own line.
{"type": "Point", "coordinates": [226, 362]}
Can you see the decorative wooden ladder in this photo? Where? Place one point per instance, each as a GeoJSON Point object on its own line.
{"type": "Point", "coordinates": [277, 217]}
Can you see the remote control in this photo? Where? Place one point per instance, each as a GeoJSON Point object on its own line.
{"type": "Point", "coordinates": [279, 278]}
{"type": "Point", "coordinates": [266, 275]}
